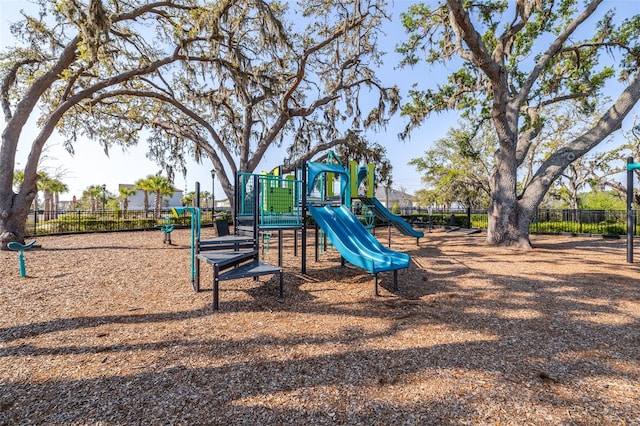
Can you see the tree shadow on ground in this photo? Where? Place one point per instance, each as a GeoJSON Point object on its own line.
{"type": "Point", "coordinates": [586, 331]}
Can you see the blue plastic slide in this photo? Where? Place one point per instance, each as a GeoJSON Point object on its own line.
{"type": "Point", "coordinates": [356, 245]}
{"type": "Point", "coordinates": [380, 211]}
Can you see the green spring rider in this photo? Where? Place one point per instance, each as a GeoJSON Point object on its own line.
{"type": "Point", "coordinates": [20, 248]}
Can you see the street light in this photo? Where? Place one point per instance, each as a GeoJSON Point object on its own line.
{"type": "Point", "coordinates": [104, 200]}
{"type": "Point", "coordinates": [213, 196]}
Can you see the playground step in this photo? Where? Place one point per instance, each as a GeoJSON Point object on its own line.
{"type": "Point", "coordinates": [227, 259]}
{"type": "Point", "coordinates": [228, 242]}
{"type": "Point", "coordinates": [245, 230]}
{"type": "Point", "coordinates": [252, 269]}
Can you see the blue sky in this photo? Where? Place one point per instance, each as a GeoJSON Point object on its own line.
{"type": "Point", "coordinates": [89, 165]}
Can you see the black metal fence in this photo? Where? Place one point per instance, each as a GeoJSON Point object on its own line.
{"type": "Point", "coordinates": [43, 222]}
{"type": "Point", "coordinates": [552, 221]}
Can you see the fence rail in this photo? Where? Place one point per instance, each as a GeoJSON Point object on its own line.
{"type": "Point", "coordinates": [548, 221]}
{"type": "Point", "coordinates": [552, 221]}
{"type": "Point", "coordinates": [43, 222]}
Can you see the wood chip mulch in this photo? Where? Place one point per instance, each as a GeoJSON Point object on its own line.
{"type": "Point", "coordinates": [105, 329]}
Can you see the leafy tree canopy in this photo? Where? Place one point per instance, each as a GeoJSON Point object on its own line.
{"type": "Point", "coordinates": [457, 167]}
{"type": "Point", "coordinates": [253, 75]}
{"type": "Point", "coordinates": [225, 80]}
{"type": "Point", "coordinates": [602, 201]}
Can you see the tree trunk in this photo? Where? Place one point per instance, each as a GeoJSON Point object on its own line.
{"type": "Point", "coordinates": [509, 224]}
{"type": "Point", "coordinates": [13, 212]}
{"type": "Point", "coordinates": [145, 202]}
{"type": "Point", "coordinates": [508, 220]}
{"type": "Point", "coordinates": [48, 205]}
{"type": "Point", "coordinates": [157, 204]}
{"type": "Point", "coordinates": [229, 191]}
{"type": "Point", "coordinates": [56, 204]}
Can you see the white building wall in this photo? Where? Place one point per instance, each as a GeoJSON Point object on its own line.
{"type": "Point", "coordinates": [388, 199]}
{"type": "Point", "coordinates": [136, 201]}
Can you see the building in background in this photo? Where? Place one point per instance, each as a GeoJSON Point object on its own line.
{"type": "Point", "coordinates": [136, 201]}
{"type": "Point", "coordinates": [389, 197]}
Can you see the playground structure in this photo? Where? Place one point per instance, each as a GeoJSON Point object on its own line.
{"type": "Point", "coordinates": [366, 203]}
{"type": "Point", "coordinates": [231, 256]}
{"type": "Point", "coordinates": [269, 203]}
{"type": "Point", "coordinates": [351, 238]}
{"type": "Point", "coordinates": [358, 174]}
{"type": "Point", "coordinates": [195, 230]}
{"type": "Point", "coordinates": [369, 207]}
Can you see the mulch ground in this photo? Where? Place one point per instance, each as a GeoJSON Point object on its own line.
{"type": "Point", "coordinates": [106, 329]}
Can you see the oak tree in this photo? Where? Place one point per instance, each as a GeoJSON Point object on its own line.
{"type": "Point", "coordinates": [64, 57]}
{"type": "Point", "coordinates": [510, 62]}
{"type": "Point", "coordinates": [260, 75]}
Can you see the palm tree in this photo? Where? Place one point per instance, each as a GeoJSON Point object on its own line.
{"type": "Point", "coordinates": [44, 184]}
{"type": "Point", "coordinates": [145, 186]}
{"type": "Point", "coordinates": [57, 187]}
{"type": "Point", "coordinates": [188, 198]}
{"type": "Point", "coordinates": [160, 186]}
{"type": "Point", "coordinates": [125, 193]}
{"type": "Point", "coordinates": [51, 187]}
{"type": "Point", "coordinates": [93, 194]}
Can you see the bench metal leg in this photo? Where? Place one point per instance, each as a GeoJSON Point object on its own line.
{"type": "Point", "coordinates": [281, 294]}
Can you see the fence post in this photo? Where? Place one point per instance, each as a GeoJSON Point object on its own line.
{"type": "Point", "coordinates": [630, 212]}
{"type": "Point", "coordinates": [580, 220]}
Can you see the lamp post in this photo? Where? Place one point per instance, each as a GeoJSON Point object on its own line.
{"type": "Point", "coordinates": [213, 196]}
{"type": "Point", "coordinates": [104, 200]}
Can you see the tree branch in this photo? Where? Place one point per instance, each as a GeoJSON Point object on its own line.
{"type": "Point", "coordinates": [312, 152]}
{"type": "Point", "coordinates": [181, 107]}
{"type": "Point", "coordinates": [465, 30]}
{"type": "Point", "coordinates": [610, 121]}
{"type": "Point", "coordinates": [553, 50]}
{"type": "Point", "coordinates": [311, 50]}
{"type": "Point", "coordinates": [8, 81]}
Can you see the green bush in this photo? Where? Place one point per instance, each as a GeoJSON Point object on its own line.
{"type": "Point", "coordinates": [184, 220]}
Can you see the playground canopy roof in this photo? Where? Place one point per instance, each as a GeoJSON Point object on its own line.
{"type": "Point", "coordinates": [315, 169]}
